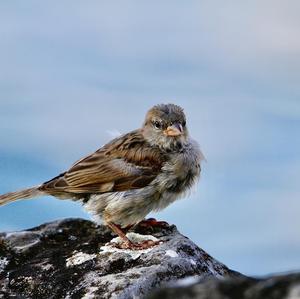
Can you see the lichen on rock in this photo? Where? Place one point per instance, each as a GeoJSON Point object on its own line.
{"type": "Point", "coordinates": [74, 258]}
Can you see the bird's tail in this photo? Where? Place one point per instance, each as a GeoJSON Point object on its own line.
{"type": "Point", "coordinates": [22, 194]}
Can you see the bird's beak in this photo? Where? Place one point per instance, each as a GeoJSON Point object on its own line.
{"type": "Point", "coordinates": [174, 130]}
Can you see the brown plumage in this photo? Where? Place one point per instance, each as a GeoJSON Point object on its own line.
{"type": "Point", "coordinates": [132, 175]}
{"type": "Point", "coordinates": [102, 171]}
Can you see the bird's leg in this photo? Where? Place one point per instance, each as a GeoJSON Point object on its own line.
{"type": "Point", "coordinates": [116, 229]}
{"type": "Point", "coordinates": [127, 244]}
{"type": "Point", "coordinates": [152, 222]}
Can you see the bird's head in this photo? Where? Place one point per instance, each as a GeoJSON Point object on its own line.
{"type": "Point", "coordinates": [165, 127]}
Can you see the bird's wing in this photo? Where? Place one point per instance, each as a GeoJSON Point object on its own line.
{"type": "Point", "coordinates": [128, 162]}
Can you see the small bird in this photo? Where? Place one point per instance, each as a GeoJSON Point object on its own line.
{"type": "Point", "coordinates": [142, 171]}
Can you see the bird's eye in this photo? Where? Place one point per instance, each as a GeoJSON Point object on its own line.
{"type": "Point", "coordinates": [157, 124]}
{"type": "Point", "coordinates": [183, 123]}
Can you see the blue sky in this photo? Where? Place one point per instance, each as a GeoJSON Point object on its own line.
{"type": "Point", "coordinates": [72, 73]}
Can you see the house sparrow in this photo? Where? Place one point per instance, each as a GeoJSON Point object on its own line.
{"type": "Point", "coordinates": [142, 171]}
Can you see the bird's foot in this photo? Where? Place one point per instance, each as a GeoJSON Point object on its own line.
{"type": "Point", "coordinates": [137, 246]}
{"type": "Point", "coordinates": [152, 222]}
{"type": "Point", "coordinates": [127, 243]}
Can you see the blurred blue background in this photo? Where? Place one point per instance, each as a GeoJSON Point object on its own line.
{"type": "Point", "coordinates": [72, 72]}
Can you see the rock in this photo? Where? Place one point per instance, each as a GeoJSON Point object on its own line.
{"type": "Point", "coordinates": [70, 259]}
{"type": "Point", "coordinates": [274, 287]}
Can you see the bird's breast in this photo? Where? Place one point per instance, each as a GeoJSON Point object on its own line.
{"type": "Point", "coordinates": [182, 170]}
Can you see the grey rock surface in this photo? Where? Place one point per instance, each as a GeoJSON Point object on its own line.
{"type": "Point", "coordinates": [69, 259]}
{"type": "Point", "coordinates": [274, 287]}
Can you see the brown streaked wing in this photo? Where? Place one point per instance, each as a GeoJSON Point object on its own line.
{"type": "Point", "coordinates": [127, 162]}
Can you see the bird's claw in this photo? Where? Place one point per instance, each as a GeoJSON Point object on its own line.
{"type": "Point", "coordinates": [137, 246]}
{"type": "Point", "coordinates": [152, 222]}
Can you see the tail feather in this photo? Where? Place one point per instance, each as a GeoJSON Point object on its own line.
{"type": "Point", "coordinates": [22, 194]}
